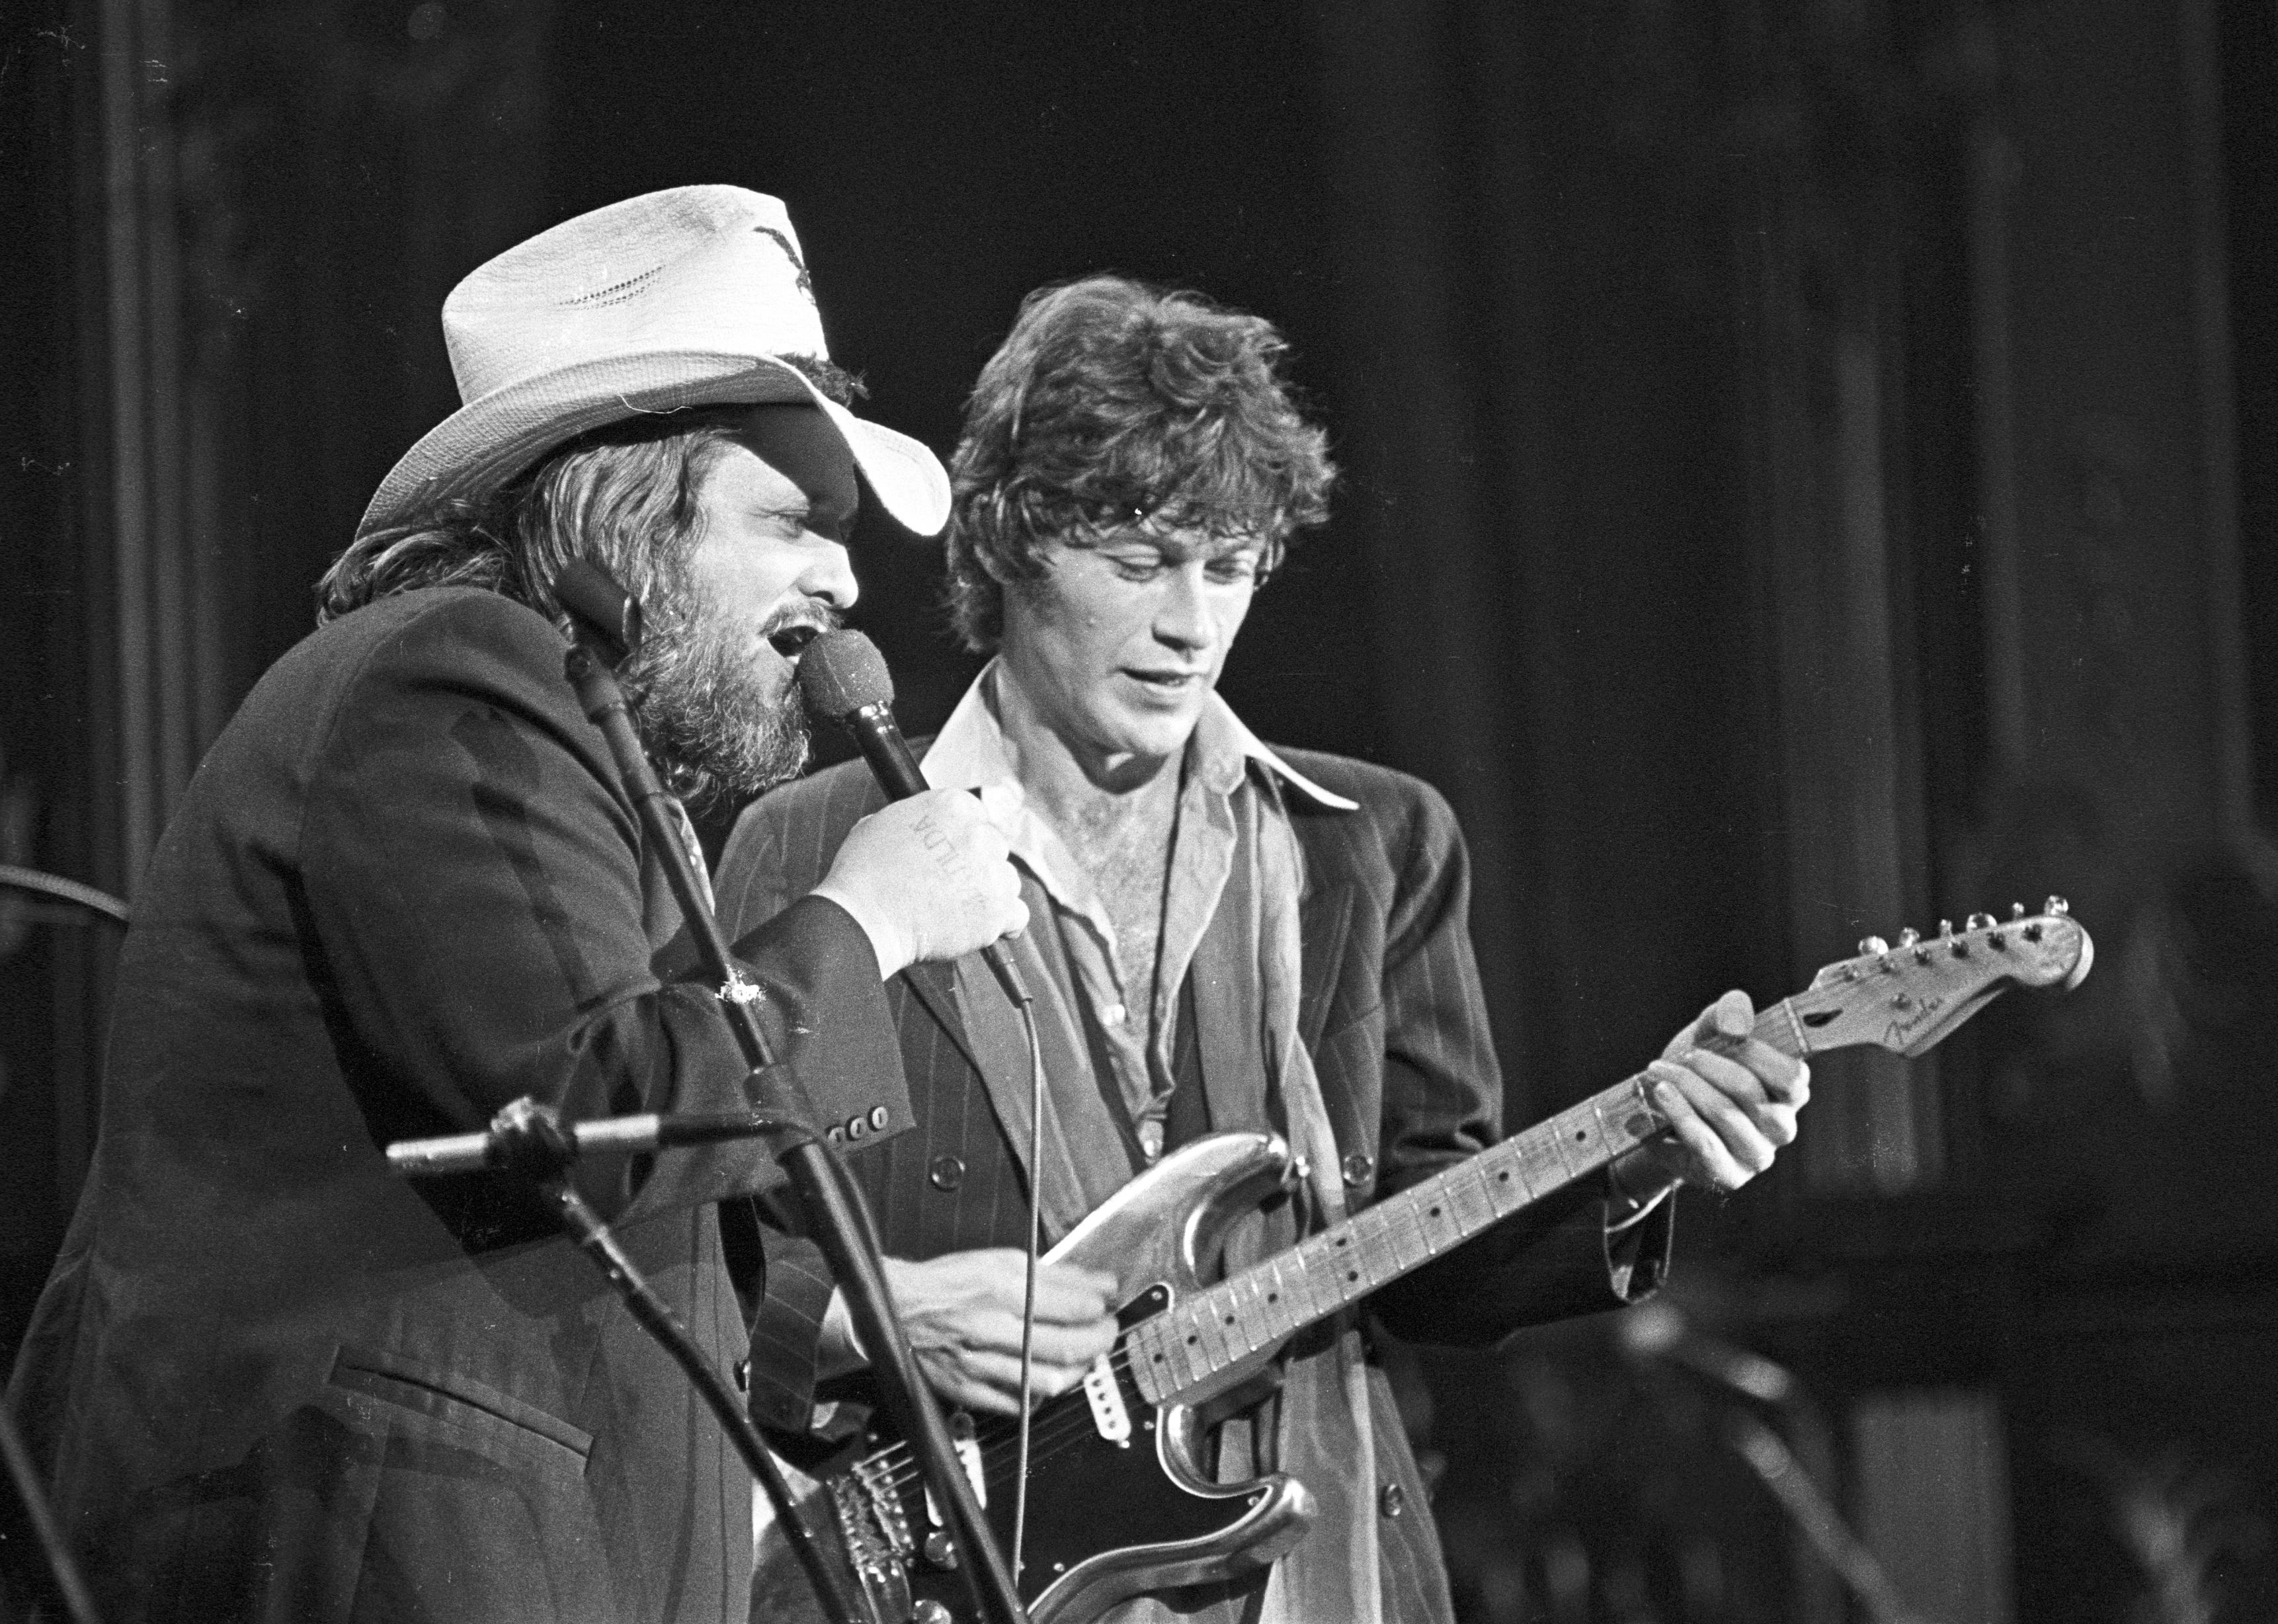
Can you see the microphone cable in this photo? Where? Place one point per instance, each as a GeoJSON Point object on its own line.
{"type": "Point", "coordinates": [844, 680]}
{"type": "Point", "coordinates": [1027, 1007]}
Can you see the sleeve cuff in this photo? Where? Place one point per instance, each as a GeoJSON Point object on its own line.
{"type": "Point", "coordinates": [886, 944]}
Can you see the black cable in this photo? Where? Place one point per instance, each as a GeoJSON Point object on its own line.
{"type": "Point", "coordinates": [43, 883]}
{"type": "Point", "coordinates": [1027, 1008]}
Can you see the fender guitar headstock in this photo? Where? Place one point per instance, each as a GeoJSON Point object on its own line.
{"type": "Point", "coordinates": [1907, 995]}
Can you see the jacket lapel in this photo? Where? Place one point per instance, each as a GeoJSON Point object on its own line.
{"type": "Point", "coordinates": [1325, 920]}
{"type": "Point", "coordinates": [973, 1009]}
{"type": "Point", "coordinates": [935, 985]}
{"type": "Point", "coordinates": [999, 1045]}
{"type": "Point", "coordinates": [1229, 1023]}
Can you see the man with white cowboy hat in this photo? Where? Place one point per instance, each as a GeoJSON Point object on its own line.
{"type": "Point", "coordinates": [269, 1381]}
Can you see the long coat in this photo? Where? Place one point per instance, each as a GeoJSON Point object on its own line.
{"type": "Point", "coordinates": [271, 1381]}
{"type": "Point", "coordinates": [1391, 1009]}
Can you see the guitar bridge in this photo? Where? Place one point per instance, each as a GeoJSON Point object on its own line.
{"type": "Point", "coordinates": [869, 1516]}
{"type": "Point", "coordinates": [890, 1519]}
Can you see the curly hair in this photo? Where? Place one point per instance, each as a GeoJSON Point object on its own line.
{"type": "Point", "coordinates": [1110, 403]}
{"type": "Point", "coordinates": [623, 496]}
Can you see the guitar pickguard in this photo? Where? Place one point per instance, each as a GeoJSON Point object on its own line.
{"type": "Point", "coordinates": [1116, 1506]}
{"type": "Point", "coordinates": [1170, 1524]}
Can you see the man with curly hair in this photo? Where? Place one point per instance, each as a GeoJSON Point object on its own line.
{"type": "Point", "coordinates": [1225, 937]}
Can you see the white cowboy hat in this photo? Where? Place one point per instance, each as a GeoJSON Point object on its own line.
{"type": "Point", "coordinates": [679, 298]}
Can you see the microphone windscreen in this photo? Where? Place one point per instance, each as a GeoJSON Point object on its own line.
{"type": "Point", "coordinates": [842, 672]}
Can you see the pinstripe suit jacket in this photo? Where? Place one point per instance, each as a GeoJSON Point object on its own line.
{"type": "Point", "coordinates": [1393, 1013]}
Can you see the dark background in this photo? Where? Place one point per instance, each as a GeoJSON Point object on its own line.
{"type": "Point", "coordinates": [1808, 469]}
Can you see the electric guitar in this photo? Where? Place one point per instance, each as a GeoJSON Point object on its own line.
{"type": "Point", "coordinates": [1117, 1504]}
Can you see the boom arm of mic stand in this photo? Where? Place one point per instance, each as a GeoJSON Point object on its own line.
{"type": "Point", "coordinates": [842, 1225]}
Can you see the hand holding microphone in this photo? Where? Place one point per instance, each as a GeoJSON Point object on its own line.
{"type": "Point", "coordinates": [929, 879]}
{"type": "Point", "coordinates": [926, 876]}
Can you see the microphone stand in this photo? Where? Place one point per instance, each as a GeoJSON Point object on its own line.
{"type": "Point", "coordinates": [608, 627]}
{"type": "Point", "coordinates": [529, 1139]}
{"type": "Point", "coordinates": [1658, 1330]}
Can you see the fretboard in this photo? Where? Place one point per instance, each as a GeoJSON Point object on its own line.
{"type": "Point", "coordinates": [1262, 1306]}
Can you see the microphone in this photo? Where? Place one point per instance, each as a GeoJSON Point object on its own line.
{"type": "Point", "coordinates": [842, 677]}
{"type": "Point", "coordinates": [498, 1146]}
{"type": "Point", "coordinates": [1658, 1330]}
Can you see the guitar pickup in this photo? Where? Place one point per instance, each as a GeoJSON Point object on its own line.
{"type": "Point", "coordinates": [967, 1444]}
{"type": "Point", "coordinates": [1107, 1411]}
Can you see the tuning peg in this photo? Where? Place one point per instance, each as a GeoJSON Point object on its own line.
{"type": "Point", "coordinates": [1945, 930]}
{"type": "Point", "coordinates": [2058, 907]}
{"type": "Point", "coordinates": [1874, 944]}
{"type": "Point", "coordinates": [1980, 922]}
{"type": "Point", "coordinates": [2016, 910]}
{"type": "Point", "coordinates": [1908, 937]}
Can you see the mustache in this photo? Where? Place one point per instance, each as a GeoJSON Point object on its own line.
{"type": "Point", "coordinates": [793, 625]}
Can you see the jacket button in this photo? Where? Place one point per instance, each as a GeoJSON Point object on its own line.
{"type": "Point", "coordinates": [945, 1173]}
{"type": "Point", "coordinates": [879, 1117]}
{"type": "Point", "coordinates": [1393, 1501]}
{"type": "Point", "coordinates": [1358, 1170]}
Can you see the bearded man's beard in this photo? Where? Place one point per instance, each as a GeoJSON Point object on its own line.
{"type": "Point", "coordinates": [704, 714]}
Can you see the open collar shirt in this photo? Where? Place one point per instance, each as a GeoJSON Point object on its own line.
{"type": "Point", "coordinates": [1102, 1004]}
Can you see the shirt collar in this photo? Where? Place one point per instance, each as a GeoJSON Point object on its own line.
{"type": "Point", "coordinates": [970, 753]}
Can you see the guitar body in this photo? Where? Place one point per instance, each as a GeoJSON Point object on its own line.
{"type": "Point", "coordinates": [1112, 1518]}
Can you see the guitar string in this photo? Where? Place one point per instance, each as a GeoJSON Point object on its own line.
{"type": "Point", "coordinates": [897, 1461]}
{"type": "Point", "coordinates": [1075, 1421]}
{"type": "Point", "coordinates": [893, 1458]}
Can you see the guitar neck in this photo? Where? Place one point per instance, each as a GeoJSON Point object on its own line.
{"type": "Point", "coordinates": [1263, 1306]}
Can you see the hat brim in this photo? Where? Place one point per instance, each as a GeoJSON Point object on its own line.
{"type": "Point", "coordinates": [487, 442]}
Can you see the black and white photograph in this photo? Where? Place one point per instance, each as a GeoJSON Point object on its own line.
{"type": "Point", "coordinates": [1315, 812]}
